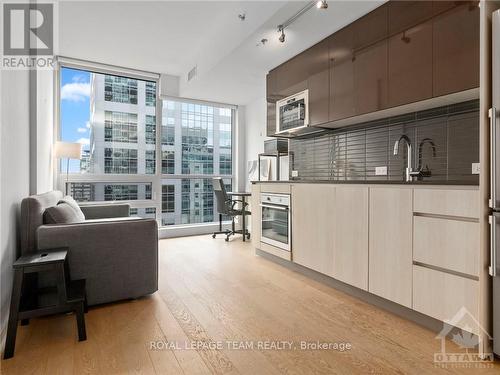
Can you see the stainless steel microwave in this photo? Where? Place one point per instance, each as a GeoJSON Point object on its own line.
{"type": "Point", "coordinates": [292, 113]}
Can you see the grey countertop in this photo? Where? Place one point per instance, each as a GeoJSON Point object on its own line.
{"type": "Point", "coordinates": [370, 182]}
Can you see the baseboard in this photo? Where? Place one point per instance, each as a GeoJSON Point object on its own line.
{"type": "Point", "coordinates": [190, 230]}
{"type": "Point", "coordinates": [425, 321]}
{"type": "Point", "coordinates": [3, 334]}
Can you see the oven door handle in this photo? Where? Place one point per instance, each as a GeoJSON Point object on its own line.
{"type": "Point", "coordinates": [282, 208]}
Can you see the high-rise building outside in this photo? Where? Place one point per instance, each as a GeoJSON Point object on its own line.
{"type": "Point", "coordinates": [196, 144]}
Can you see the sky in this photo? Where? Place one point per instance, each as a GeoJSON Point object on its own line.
{"type": "Point", "coordinates": [75, 110]}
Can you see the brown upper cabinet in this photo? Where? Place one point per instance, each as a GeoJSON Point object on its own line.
{"type": "Point", "coordinates": [370, 61]}
{"type": "Point", "coordinates": [400, 53]}
{"type": "Point", "coordinates": [318, 83]}
{"type": "Point", "coordinates": [342, 99]}
{"type": "Point", "coordinates": [403, 15]}
{"type": "Point", "coordinates": [456, 49]}
{"type": "Point", "coordinates": [371, 28]}
{"type": "Point", "coordinates": [292, 76]}
{"type": "Point", "coordinates": [370, 78]}
{"type": "Point", "coordinates": [410, 65]}
{"type": "Point", "coordinates": [443, 6]}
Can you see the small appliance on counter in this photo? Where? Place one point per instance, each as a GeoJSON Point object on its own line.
{"type": "Point", "coordinates": [276, 148]}
{"type": "Point", "coordinates": [277, 145]}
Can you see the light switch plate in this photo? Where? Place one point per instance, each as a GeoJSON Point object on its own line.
{"type": "Point", "coordinates": [476, 168]}
{"type": "Point", "coordinates": [381, 171]}
{"type": "Point", "coordinates": [295, 173]}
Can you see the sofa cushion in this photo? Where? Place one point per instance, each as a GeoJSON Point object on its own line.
{"type": "Point", "coordinates": [63, 213]}
{"type": "Point", "coordinates": [69, 200]}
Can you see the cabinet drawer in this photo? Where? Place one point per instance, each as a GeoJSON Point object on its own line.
{"type": "Point", "coordinates": [442, 295]}
{"type": "Point", "coordinates": [276, 251]}
{"type": "Point", "coordinates": [464, 203]}
{"type": "Point", "coordinates": [449, 244]}
{"type": "Point", "coordinates": [278, 188]}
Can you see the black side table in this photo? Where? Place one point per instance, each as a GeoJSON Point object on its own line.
{"type": "Point", "coordinates": [66, 296]}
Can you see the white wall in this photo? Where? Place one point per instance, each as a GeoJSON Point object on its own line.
{"type": "Point", "coordinates": [255, 131]}
{"type": "Point", "coordinates": [169, 85]}
{"type": "Point", "coordinates": [14, 174]}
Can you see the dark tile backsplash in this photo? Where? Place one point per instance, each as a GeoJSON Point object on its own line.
{"type": "Point", "coordinates": [353, 153]}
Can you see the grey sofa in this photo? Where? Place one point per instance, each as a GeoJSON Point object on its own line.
{"type": "Point", "coordinates": [115, 253]}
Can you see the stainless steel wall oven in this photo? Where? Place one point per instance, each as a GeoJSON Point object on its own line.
{"type": "Point", "coordinates": [276, 223]}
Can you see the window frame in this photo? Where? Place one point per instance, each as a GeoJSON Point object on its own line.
{"type": "Point", "coordinates": [156, 179]}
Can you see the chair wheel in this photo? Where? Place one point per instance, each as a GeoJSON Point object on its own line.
{"type": "Point", "coordinates": [213, 235]}
{"type": "Point", "coordinates": [248, 236]}
{"type": "Point", "coordinates": [227, 239]}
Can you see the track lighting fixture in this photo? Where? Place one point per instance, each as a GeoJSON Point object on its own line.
{"type": "Point", "coordinates": [321, 4]}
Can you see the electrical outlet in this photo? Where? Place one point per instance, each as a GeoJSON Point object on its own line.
{"type": "Point", "coordinates": [295, 173]}
{"type": "Point", "coordinates": [476, 168]}
{"type": "Point", "coordinates": [381, 171]}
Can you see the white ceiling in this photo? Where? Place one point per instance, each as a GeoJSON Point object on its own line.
{"type": "Point", "coordinates": [173, 36]}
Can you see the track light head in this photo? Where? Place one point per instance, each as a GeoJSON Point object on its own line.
{"type": "Point", "coordinates": [281, 30]}
{"type": "Point", "coordinates": [322, 4]}
{"type": "Point", "coordinates": [282, 36]}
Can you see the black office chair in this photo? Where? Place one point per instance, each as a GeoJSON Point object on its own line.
{"type": "Point", "coordinates": [226, 206]}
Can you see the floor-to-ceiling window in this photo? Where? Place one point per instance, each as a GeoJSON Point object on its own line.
{"type": "Point", "coordinates": [116, 118]}
{"type": "Point", "coordinates": [196, 146]}
{"type": "Point", "coordinates": [111, 116]}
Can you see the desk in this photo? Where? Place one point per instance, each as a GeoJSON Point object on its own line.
{"type": "Point", "coordinates": [243, 195]}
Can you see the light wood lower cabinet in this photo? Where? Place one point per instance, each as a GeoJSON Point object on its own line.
{"type": "Point", "coordinates": [443, 296]}
{"type": "Point", "coordinates": [390, 270]}
{"type": "Point", "coordinates": [446, 243]}
{"type": "Point", "coordinates": [256, 217]}
{"type": "Point", "coordinates": [370, 236]}
{"type": "Point", "coordinates": [448, 202]}
{"type": "Point", "coordinates": [350, 249]}
{"type": "Point", "coordinates": [313, 230]}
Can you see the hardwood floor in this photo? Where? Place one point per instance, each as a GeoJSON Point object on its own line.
{"type": "Point", "coordinates": [212, 292]}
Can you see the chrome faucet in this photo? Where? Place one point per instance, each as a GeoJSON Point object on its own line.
{"type": "Point", "coordinates": [408, 172]}
{"type": "Point", "coordinates": [426, 172]}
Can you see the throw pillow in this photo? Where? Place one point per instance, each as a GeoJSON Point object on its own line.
{"type": "Point", "coordinates": [69, 200]}
{"type": "Point", "coordinates": [63, 213]}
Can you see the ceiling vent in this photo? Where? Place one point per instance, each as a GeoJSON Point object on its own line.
{"type": "Point", "coordinates": [192, 73]}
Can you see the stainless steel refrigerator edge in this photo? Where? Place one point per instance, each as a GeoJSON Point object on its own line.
{"type": "Point", "coordinates": [495, 180]}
